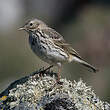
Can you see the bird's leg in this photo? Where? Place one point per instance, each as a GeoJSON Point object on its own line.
{"type": "Point", "coordinates": [59, 71]}
{"type": "Point", "coordinates": [58, 75]}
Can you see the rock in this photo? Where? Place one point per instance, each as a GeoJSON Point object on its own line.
{"type": "Point", "coordinates": [39, 91]}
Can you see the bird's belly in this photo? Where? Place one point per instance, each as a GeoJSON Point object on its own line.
{"type": "Point", "coordinates": [37, 48]}
{"type": "Point", "coordinates": [57, 56]}
{"type": "Point", "coordinates": [49, 55]}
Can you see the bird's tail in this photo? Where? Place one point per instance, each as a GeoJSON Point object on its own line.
{"type": "Point", "coordinates": [79, 60]}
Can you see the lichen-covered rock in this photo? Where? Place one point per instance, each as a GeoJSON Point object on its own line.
{"type": "Point", "coordinates": [39, 91]}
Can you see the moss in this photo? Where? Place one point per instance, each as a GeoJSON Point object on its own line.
{"type": "Point", "coordinates": [42, 93]}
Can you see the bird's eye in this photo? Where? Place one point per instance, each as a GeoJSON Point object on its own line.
{"type": "Point", "coordinates": [31, 24]}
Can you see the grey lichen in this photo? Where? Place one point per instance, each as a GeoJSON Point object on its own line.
{"type": "Point", "coordinates": [39, 91]}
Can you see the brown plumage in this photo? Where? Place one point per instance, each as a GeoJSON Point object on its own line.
{"type": "Point", "coordinates": [50, 46]}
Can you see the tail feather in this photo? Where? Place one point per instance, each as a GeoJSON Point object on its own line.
{"type": "Point", "coordinates": [79, 60]}
{"type": "Point", "coordinates": [89, 66]}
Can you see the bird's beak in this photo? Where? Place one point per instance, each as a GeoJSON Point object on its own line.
{"type": "Point", "coordinates": [21, 28]}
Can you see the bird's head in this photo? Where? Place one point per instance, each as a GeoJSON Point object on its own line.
{"type": "Point", "coordinates": [33, 25]}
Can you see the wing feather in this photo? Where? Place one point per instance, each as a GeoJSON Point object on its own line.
{"type": "Point", "coordinates": [52, 34]}
{"type": "Point", "coordinates": [67, 47]}
{"type": "Point", "coordinates": [60, 42]}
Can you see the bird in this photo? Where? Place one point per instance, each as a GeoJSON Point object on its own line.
{"type": "Point", "coordinates": [50, 46]}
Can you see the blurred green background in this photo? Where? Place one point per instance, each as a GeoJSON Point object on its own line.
{"type": "Point", "coordinates": [83, 23]}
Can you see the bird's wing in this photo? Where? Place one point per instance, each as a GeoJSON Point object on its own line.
{"type": "Point", "coordinates": [52, 34]}
{"type": "Point", "coordinates": [60, 42]}
{"type": "Point", "coordinates": [67, 47]}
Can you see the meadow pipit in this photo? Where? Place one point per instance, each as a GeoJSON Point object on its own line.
{"type": "Point", "coordinates": [50, 46]}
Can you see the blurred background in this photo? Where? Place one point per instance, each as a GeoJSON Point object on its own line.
{"type": "Point", "coordinates": [83, 23]}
